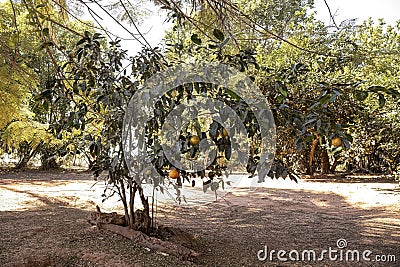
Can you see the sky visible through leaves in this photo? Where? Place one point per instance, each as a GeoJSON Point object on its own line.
{"type": "Point", "coordinates": [154, 25]}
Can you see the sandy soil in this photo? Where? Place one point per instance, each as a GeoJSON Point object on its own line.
{"type": "Point", "coordinates": [43, 223]}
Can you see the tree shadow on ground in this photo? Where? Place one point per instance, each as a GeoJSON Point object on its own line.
{"type": "Point", "coordinates": [57, 235]}
{"type": "Point", "coordinates": [38, 197]}
{"type": "Point", "coordinates": [284, 219]}
{"type": "Point", "coordinates": [229, 232]}
{"type": "Point", "coordinates": [39, 175]}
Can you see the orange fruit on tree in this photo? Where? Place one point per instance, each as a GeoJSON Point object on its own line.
{"type": "Point", "coordinates": [224, 132]}
{"type": "Point", "coordinates": [174, 174]}
{"type": "Point", "coordinates": [194, 140]}
{"type": "Point", "coordinates": [337, 141]}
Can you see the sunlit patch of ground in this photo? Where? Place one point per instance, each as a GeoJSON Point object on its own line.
{"type": "Point", "coordinates": [361, 195]}
{"type": "Point", "coordinates": [86, 194]}
{"type": "Point", "coordinates": [23, 195]}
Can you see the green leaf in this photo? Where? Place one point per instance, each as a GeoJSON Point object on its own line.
{"type": "Point", "coordinates": [324, 99]}
{"type": "Point", "coordinates": [224, 42]}
{"type": "Point", "coordinates": [81, 41]}
{"type": "Point", "coordinates": [279, 86]}
{"type": "Point", "coordinates": [298, 144]}
{"type": "Point", "coordinates": [233, 94]}
{"type": "Point", "coordinates": [228, 152]}
{"type": "Point", "coordinates": [292, 177]}
{"type": "Point", "coordinates": [393, 92]}
{"type": "Point", "coordinates": [97, 36]}
{"type": "Point", "coordinates": [87, 34]}
{"type": "Point", "coordinates": [46, 31]}
{"type": "Point", "coordinates": [46, 44]}
{"type": "Point", "coordinates": [213, 129]}
{"type": "Point", "coordinates": [360, 95]}
{"type": "Point", "coordinates": [377, 89]}
{"type": "Point", "coordinates": [195, 39]}
{"type": "Point", "coordinates": [382, 100]}
{"type": "Point", "coordinates": [218, 34]}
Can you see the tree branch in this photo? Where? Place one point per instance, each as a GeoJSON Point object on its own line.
{"type": "Point", "coordinates": [330, 14]}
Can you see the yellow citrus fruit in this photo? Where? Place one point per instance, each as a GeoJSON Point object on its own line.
{"type": "Point", "coordinates": [174, 174]}
{"type": "Point", "coordinates": [337, 141]}
{"type": "Point", "coordinates": [166, 126]}
{"type": "Point", "coordinates": [224, 133]}
{"type": "Point", "coordinates": [194, 140]}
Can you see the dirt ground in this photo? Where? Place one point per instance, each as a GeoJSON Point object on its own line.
{"type": "Point", "coordinates": [43, 223]}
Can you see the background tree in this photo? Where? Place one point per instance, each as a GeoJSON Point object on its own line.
{"type": "Point", "coordinates": [37, 39]}
{"type": "Point", "coordinates": [315, 75]}
{"type": "Point", "coordinates": [13, 85]}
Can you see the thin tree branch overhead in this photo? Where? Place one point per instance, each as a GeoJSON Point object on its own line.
{"type": "Point", "coordinates": [331, 15]}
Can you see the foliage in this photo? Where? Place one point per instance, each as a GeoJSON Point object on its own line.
{"type": "Point", "coordinates": [15, 76]}
{"type": "Point", "coordinates": [36, 40]}
{"type": "Point", "coordinates": [14, 97]}
{"type": "Point", "coordinates": [27, 138]}
{"type": "Point", "coordinates": [333, 95]}
{"type": "Point", "coordinates": [321, 81]}
{"type": "Point", "coordinates": [69, 89]}
{"type": "Point", "coordinates": [97, 100]}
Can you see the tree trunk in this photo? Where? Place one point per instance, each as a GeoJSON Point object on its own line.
{"type": "Point", "coordinates": [122, 194]}
{"type": "Point", "coordinates": [132, 190]}
{"type": "Point", "coordinates": [312, 155]}
{"type": "Point", "coordinates": [23, 162]}
{"type": "Point", "coordinates": [48, 159]}
{"type": "Point", "coordinates": [49, 163]}
{"type": "Point", "coordinates": [145, 223]}
{"type": "Point", "coordinates": [90, 161]}
{"type": "Point", "coordinates": [325, 165]}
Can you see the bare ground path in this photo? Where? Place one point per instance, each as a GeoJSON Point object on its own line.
{"type": "Point", "coordinates": [43, 223]}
